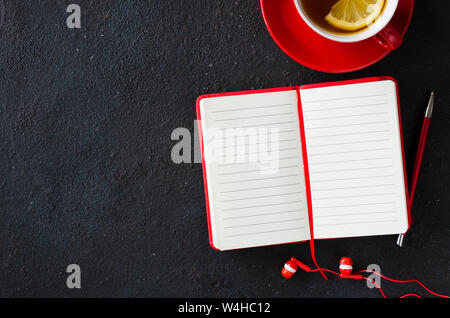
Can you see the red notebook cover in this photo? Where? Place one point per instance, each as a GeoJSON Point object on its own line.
{"type": "Point", "coordinates": [298, 89]}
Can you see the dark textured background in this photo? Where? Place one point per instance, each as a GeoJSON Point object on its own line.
{"type": "Point", "coordinates": [86, 177]}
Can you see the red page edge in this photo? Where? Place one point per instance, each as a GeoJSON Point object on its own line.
{"type": "Point", "coordinates": [408, 207]}
{"type": "Point", "coordinates": [205, 182]}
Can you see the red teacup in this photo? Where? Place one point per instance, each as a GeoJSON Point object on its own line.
{"type": "Point", "coordinates": [381, 31]}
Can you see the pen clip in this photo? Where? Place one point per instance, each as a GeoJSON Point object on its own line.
{"type": "Point", "coordinates": [429, 111]}
{"type": "Point", "coordinates": [400, 240]}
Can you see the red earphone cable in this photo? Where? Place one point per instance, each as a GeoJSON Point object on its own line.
{"type": "Point", "coordinates": [337, 274]}
{"type": "Point", "coordinates": [410, 295]}
{"type": "Point", "coordinates": [324, 270]}
{"type": "Point", "coordinates": [387, 278]}
{"type": "Point", "coordinates": [378, 286]}
{"type": "Point", "coordinates": [405, 282]}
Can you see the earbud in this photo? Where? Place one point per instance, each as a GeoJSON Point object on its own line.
{"type": "Point", "coordinates": [289, 270]}
{"type": "Point", "coordinates": [346, 266]}
{"type": "Point", "coordinates": [346, 269]}
{"type": "Point", "coordinates": [291, 267]}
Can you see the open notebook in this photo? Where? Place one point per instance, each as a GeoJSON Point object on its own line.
{"type": "Point", "coordinates": [291, 164]}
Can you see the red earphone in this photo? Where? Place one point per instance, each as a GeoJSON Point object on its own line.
{"type": "Point", "coordinates": [291, 267]}
{"type": "Point", "coordinates": [346, 272]}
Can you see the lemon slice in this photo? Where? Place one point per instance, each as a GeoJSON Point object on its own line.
{"type": "Point", "coordinates": [352, 15]}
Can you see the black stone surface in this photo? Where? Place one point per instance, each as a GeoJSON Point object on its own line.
{"type": "Point", "coordinates": [86, 176]}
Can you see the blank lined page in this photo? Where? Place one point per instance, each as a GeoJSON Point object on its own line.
{"type": "Point", "coordinates": [254, 170]}
{"type": "Point", "coordinates": [355, 160]}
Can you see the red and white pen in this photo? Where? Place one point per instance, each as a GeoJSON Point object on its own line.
{"type": "Point", "coordinates": [419, 156]}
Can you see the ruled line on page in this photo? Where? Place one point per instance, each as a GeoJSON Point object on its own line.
{"type": "Point", "coordinates": [348, 151]}
{"type": "Point", "coordinates": [257, 152]}
{"type": "Point", "coordinates": [343, 107]}
{"type": "Point", "coordinates": [287, 158]}
{"type": "Point", "coordinates": [341, 98]}
{"type": "Point", "coordinates": [263, 125]}
{"type": "Point", "coordinates": [351, 125]}
{"type": "Point", "coordinates": [261, 179]}
{"type": "Point", "coordinates": [257, 162]}
{"type": "Point", "coordinates": [354, 187]}
{"type": "Point", "coordinates": [355, 214]}
{"type": "Point", "coordinates": [347, 143]}
{"type": "Point", "coordinates": [246, 135]}
{"type": "Point", "coordinates": [354, 196]}
{"type": "Point", "coordinates": [265, 232]}
{"type": "Point", "coordinates": [351, 169]}
{"type": "Point", "coordinates": [357, 178]}
{"type": "Point", "coordinates": [353, 205]}
{"type": "Point", "coordinates": [259, 188]}
{"type": "Point", "coordinates": [250, 108]}
{"type": "Point", "coordinates": [351, 134]}
{"type": "Point", "coordinates": [259, 206]}
{"type": "Point", "coordinates": [262, 197]}
{"type": "Point", "coordinates": [232, 137]}
{"type": "Point", "coordinates": [265, 223]}
{"type": "Point", "coordinates": [264, 214]}
{"type": "Point", "coordinates": [257, 144]}
{"type": "Point", "coordinates": [344, 161]}
{"type": "Point", "coordinates": [348, 116]}
{"type": "Point", "coordinates": [353, 223]}
{"type": "Point", "coordinates": [236, 164]}
{"type": "Point", "coordinates": [251, 117]}
{"type": "Point", "coordinates": [256, 170]}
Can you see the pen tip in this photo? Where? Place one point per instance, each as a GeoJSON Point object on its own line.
{"type": "Point", "coordinates": [429, 111]}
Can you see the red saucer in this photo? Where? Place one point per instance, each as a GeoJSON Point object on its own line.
{"type": "Point", "coordinates": [305, 46]}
